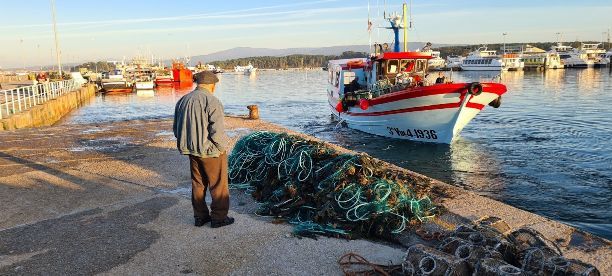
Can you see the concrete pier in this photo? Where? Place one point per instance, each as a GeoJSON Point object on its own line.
{"type": "Point", "coordinates": [50, 112]}
{"type": "Point", "coordinates": [115, 199]}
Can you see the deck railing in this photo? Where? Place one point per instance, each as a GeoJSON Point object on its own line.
{"type": "Point", "coordinates": [23, 98]}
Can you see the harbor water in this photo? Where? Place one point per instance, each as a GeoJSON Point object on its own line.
{"type": "Point", "coordinates": [547, 149]}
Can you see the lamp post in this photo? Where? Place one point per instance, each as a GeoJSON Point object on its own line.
{"type": "Point", "coordinates": [504, 35]}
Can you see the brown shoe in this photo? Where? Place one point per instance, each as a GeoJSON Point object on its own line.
{"type": "Point", "coordinates": [221, 223]}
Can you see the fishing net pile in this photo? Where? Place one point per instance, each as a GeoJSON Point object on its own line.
{"type": "Point", "coordinates": [321, 191]}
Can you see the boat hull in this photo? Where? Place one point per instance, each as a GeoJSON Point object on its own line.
{"type": "Point", "coordinates": [116, 87]}
{"type": "Point", "coordinates": [481, 68]}
{"type": "Point", "coordinates": [434, 114]}
{"type": "Point", "coordinates": [144, 85]}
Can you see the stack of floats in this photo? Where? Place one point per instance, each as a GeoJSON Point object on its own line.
{"type": "Point", "coordinates": [482, 249]}
{"type": "Point", "coordinates": [323, 192]}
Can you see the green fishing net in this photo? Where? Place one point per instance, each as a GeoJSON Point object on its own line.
{"type": "Point", "coordinates": [324, 192]}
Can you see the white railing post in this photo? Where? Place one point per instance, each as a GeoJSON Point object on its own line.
{"type": "Point", "coordinates": [28, 90]}
{"type": "Point", "coordinates": [35, 94]}
{"type": "Point", "coordinates": [1, 105]}
{"type": "Point", "coordinates": [47, 91]}
{"type": "Point", "coordinates": [6, 103]}
{"type": "Point", "coordinates": [13, 100]}
{"type": "Point", "coordinates": [19, 98]}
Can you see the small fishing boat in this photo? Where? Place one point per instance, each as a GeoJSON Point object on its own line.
{"type": "Point", "coordinates": [389, 94]}
{"type": "Point", "coordinates": [114, 82]}
{"type": "Point", "coordinates": [164, 80]}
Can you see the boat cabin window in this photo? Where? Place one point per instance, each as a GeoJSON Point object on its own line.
{"type": "Point", "coordinates": [392, 66]}
{"type": "Point", "coordinates": [407, 65]}
{"type": "Point", "coordinates": [348, 77]}
{"type": "Point", "coordinates": [336, 78]}
{"type": "Point", "coordinates": [420, 66]}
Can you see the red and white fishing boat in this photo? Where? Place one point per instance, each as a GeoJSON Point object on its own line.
{"type": "Point", "coordinates": [389, 94]}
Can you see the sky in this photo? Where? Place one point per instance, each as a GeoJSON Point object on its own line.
{"type": "Point", "coordinates": [113, 29]}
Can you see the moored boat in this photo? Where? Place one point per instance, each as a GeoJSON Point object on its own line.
{"type": "Point", "coordinates": [164, 80]}
{"type": "Point", "coordinates": [586, 56]}
{"type": "Point", "coordinates": [436, 63]}
{"type": "Point", "coordinates": [512, 59]}
{"type": "Point", "coordinates": [114, 82]}
{"type": "Point", "coordinates": [536, 58]}
{"type": "Point", "coordinates": [453, 62]}
{"type": "Point", "coordinates": [482, 59]}
{"type": "Point", "coordinates": [389, 94]}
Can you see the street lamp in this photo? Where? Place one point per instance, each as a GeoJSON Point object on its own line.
{"type": "Point", "coordinates": [504, 35]}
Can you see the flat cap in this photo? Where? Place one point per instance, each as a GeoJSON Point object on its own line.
{"type": "Point", "coordinates": [205, 77]}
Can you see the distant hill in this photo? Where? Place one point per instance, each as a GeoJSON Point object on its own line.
{"type": "Point", "coordinates": [244, 52]}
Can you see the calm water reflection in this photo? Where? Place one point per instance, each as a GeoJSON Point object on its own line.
{"type": "Point", "coordinates": [546, 150]}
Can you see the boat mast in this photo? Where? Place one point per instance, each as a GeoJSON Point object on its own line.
{"type": "Point", "coordinates": [57, 50]}
{"type": "Point", "coordinates": [405, 14]}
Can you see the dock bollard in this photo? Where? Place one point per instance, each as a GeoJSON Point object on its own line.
{"type": "Point", "coordinates": [253, 112]}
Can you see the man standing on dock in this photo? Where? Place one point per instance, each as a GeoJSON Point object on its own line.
{"type": "Point", "coordinates": [198, 128]}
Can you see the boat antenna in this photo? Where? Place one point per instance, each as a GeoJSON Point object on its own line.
{"type": "Point", "coordinates": [609, 40]}
{"type": "Point", "coordinates": [369, 28]}
{"type": "Point", "coordinates": [385, 9]}
{"type": "Point", "coordinates": [57, 50]}
{"type": "Point", "coordinates": [411, 14]}
{"type": "Point", "coordinates": [404, 15]}
{"type": "Point", "coordinates": [377, 17]}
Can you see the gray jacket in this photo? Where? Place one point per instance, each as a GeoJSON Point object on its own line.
{"type": "Point", "coordinates": [198, 124]}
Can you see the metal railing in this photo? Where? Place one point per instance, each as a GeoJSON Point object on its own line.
{"type": "Point", "coordinates": [23, 98]}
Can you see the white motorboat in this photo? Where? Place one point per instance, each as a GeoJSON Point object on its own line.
{"type": "Point", "coordinates": [512, 59]}
{"type": "Point", "coordinates": [144, 85]}
{"type": "Point", "coordinates": [454, 61]}
{"type": "Point", "coordinates": [436, 62]}
{"type": "Point", "coordinates": [482, 60]}
{"type": "Point", "coordinates": [588, 55]}
{"type": "Point", "coordinates": [247, 70]}
{"type": "Point", "coordinates": [389, 95]}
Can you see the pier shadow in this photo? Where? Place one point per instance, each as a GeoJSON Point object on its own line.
{"type": "Point", "coordinates": [75, 181]}
{"type": "Point", "coordinates": [84, 243]}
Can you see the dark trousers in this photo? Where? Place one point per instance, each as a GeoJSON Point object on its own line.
{"type": "Point", "coordinates": [211, 174]}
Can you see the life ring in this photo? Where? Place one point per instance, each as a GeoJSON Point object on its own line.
{"type": "Point", "coordinates": [355, 63]}
{"type": "Point", "coordinates": [475, 88]}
